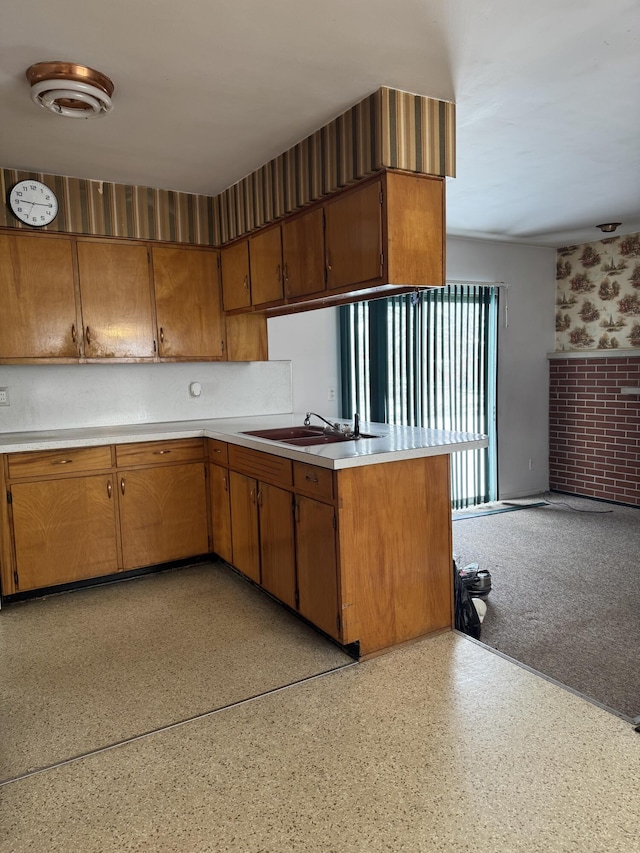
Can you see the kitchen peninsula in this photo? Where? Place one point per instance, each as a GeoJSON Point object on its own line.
{"type": "Point", "coordinates": [353, 536]}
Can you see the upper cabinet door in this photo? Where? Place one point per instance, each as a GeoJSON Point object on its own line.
{"type": "Point", "coordinates": [236, 287]}
{"type": "Point", "coordinates": [354, 237]}
{"type": "Point", "coordinates": [188, 303]}
{"type": "Point", "coordinates": [38, 317]}
{"type": "Point", "coordinates": [265, 256]}
{"type": "Point", "coordinates": [115, 290]}
{"type": "Point", "coordinates": [303, 254]}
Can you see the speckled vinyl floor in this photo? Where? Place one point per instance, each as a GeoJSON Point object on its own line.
{"type": "Point", "coordinates": [438, 746]}
{"type": "Point", "coordinates": [85, 669]}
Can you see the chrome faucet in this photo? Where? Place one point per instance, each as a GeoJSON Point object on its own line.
{"type": "Point", "coordinates": [336, 427]}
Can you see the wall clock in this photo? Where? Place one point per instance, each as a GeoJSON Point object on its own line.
{"type": "Point", "coordinates": [33, 202]}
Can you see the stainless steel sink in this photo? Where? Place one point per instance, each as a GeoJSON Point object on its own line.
{"type": "Point", "coordinates": [304, 436]}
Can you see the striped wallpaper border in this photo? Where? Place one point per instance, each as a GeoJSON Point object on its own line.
{"type": "Point", "coordinates": [388, 129]}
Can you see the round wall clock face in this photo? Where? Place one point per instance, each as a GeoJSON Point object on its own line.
{"type": "Point", "coordinates": [34, 203]}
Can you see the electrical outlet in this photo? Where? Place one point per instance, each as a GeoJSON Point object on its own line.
{"type": "Point", "coordinates": [331, 393]}
{"type": "Point", "coordinates": [532, 464]}
{"type": "Point", "coordinates": [4, 397]}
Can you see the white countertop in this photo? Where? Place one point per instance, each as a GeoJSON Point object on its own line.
{"type": "Point", "coordinates": [392, 443]}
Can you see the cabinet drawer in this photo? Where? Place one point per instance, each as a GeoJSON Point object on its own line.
{"type": "Point", "coordinates": [313, 480]}
{"type": "Point", "coordinates": [262, 466]}
{"type": "Point", "coordinates": [51, 463]}
{"type": "Point", "coordinates": [218, 451]}
{"type": "Point", "coordinates": [159, 452]}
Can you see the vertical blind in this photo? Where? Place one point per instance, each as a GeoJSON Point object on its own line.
{"type": "Point", "coordinates": [428, 359]}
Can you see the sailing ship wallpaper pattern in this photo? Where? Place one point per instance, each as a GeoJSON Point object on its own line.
{"type": "Point", "coordinates": [598, 295]}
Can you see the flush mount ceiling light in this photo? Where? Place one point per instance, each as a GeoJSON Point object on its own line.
{"type": "Point", "coordinates": [608, 227]}
{"type": "Point", "coordinates": [70, 90]}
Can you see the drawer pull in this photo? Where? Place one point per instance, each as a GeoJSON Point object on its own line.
{"type": "Point", "coordinates": [62, 462]}
{"type": "Point", "coordinates": [160, 452]}
{"type": "Point", "coordinates": [122, 485]}
{"type": "Point", "coordinates": [217, 450]}
{"type": "Point", "coordinates": [312, 478]}
{"type": "Point", "coordinates": [109, 488]}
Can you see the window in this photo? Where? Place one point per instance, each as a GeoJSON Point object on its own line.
{"type": "Point", "coordinates": [428, 359]}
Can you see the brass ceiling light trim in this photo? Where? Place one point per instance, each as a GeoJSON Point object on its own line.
{"type": "Point", "coordinates": [608, 227]}
{"type": "Point", "coordinates": [70, 90]}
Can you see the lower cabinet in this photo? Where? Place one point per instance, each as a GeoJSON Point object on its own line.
{"type": "Point", "coordinates": [219, 497]}
{"type": "Point", "coordinates": [363, 553]}
{"type": "Point", "coordinates": [317, 564]}
{"type": "Point", "coordinates": [80, 513]}
{"type": "Point", "coordinates": [245, 536]}
{"type": "Point", "coordinates": [163, 514]}
{"type": "Point", "coordinates": [277, 542]}
{"type": "Point", "coordinates": [64, 530]}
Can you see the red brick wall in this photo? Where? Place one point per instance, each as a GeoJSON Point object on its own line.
{"type": "Point", "coordinates": [594, 431]}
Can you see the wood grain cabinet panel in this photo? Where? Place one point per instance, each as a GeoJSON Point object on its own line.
{"type": "Point", "coordinates": [38, 314]}
{"type": "Point", "coordinates": [189, 316]}
{"type": "Point", "coordinates": [163, 514]}
{"type": "Point", "coordinates": [220, 499]}
{"type": "Point", "coordinates": [354, 236]}
{"type": "Point", "coordinates": [64, 530]}
{"type": "Point", "coordinates": [277, 543]}
{"type": "Point", "coordinates": [265, 261]}
{"type": "Point", "coordinates": [303, 254]}
{"type": "Point", "coordinates": [117, 305]}
{"type": "Point", "coordinates": [317, 564]}
{"type": "Point", "coordinates": [236, 284]}
{"type": "Point", "coordinates": [245, 533]}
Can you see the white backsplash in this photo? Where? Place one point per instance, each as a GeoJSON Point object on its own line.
{"type": "Point", "coordinates": [47, 397]}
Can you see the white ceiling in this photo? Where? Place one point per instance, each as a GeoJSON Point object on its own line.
{"type": "Point", "coordinates": [547, 94]}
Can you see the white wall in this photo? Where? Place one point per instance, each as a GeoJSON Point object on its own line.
{"type": "Point", "coordinates": [523, 370]}
{"type": "Point", "coordinates": [310, 341]}
{"type": "Point", "coordinates": [67, 396]}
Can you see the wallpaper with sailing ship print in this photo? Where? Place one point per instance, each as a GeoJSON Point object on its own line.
{"type": "Point", "coordinates": [598, 295]}
{"type": "Point", "coordinates": [388, 129]}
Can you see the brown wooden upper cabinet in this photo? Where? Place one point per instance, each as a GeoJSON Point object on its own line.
{"type": "Point", "coordinates": [117, 305]}
{"type": "Point", "coordinates": [353, 236]}
{"type": "Point", "coordinates": [265, 262]}
{"type": "Point", "coordinates": [236, 284]}
{"type": "Point", "coordinates": [388, 231]}
{"type": "Point", "coordinates": [38, 311]}
{"type": "Point", "coordinates": [303, 254]}
{"type": "Point", "coordinates": [188, 309]}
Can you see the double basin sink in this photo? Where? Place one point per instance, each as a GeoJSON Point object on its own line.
{"type": "Point", "coordinates": [305, 436]}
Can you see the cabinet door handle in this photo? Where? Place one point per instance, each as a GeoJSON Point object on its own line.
{"type": "Point", "coordinates": [329, 267]}
{"type": "Point", "coordinates": [62, 462]}
{"type": "Point", "coordinates": [122, 485]}
{"type": "Point", "coordinates": [286, 273]}
{"type": "Point", "coordinates": [252, 495]}
{"type": "Point", "coordinates": [312, 478]}
{"type": "Point", "coordinates": [297, 512]}
{"type": "Point", "coordinates": [226, 484]}
{"type": "Point", "coordinates": [245, 283]}
{"type": "Point", "coordinates": [278, 273]}
{"type": "Point", "coordinates": [161, 335]}
{"type": "Point", "coordinates": [160, 452]}
{"type": "Point", "coordinates": [88, 336]}
{"type": "Point", "coordinates": [109, 488]}
{"type": "Point", "coordinates": [259, 497]}
{"type": "Point", "coordinates": [74, 333]}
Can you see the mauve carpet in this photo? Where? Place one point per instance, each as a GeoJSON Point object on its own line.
{"type": "Point", "coordinates": [566, 592]}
